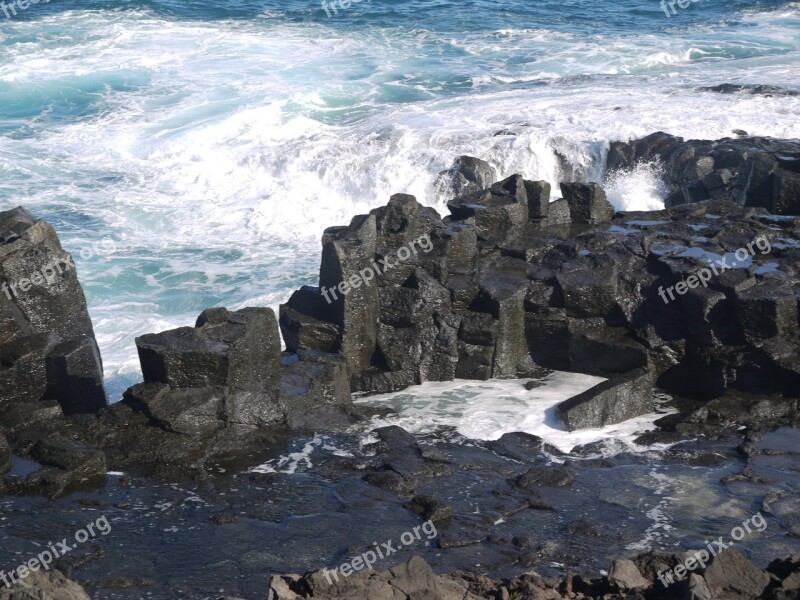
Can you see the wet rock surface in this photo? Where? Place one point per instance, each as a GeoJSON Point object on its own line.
{"type": "Point", "coordinates": [752, 171]}
{"type": "Point", "coordinates": [229, 442]}
{"type": "Point", "coordinates": [47, 343]}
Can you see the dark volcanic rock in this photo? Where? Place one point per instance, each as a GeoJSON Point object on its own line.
{"type": "Point", "coordinates": [498, 213]}
{"type": "Point", "coordinates": [468, 174]}
{"type": "Point", "coordinates": [430, 508]}
{"type": "Point", "coordinates": [538, 194]}
{"type": "Point", "coordinates": [752, 171]}
{"type": "Point", "coordinates": [761, 90]}
{"type": "Point", "coordinates": [347, 257]}
{"type": "Point", "coordinates": [5, 455]}
{"type": "Point", "coordinates": [304, 322]}
{"type": "Point", "coordinates": [239, 351]}
{"type": "Point", "coordinates": [66, 466]}
{"type": "Point", "coordinates": [538, 477]}
{"type": "Point", "coordinates": [47, 343]}
{"type": "Point", "coordinates": [612, 401]}
{"type": "Point", "coordinates": [587, 202]}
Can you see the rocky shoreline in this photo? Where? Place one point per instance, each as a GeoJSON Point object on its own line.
{"type": "Point", "coordinates": [510, 285]}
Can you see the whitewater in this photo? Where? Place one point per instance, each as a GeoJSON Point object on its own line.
{"type": "Point", "coordinates": [212, 145]}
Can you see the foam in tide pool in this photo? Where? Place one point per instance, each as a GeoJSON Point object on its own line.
{"type": "Point", "coordinates": [486, 410]}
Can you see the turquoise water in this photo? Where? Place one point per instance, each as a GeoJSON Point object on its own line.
{"type": "Point", "coordinates": [212, 142]}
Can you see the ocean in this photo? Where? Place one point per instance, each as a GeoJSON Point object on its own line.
{"type": "Point", "coordinates": [189, 154]}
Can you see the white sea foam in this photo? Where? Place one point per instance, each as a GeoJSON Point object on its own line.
{"type": "Point", "coordinates": [486, 410]}
{"type": "Point", "coordinates": [215, 152]}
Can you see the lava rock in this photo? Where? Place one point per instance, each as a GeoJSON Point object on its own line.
{"type": "Point", "coordinates": [468, 174]}
{"type": "Point", "coordinates": [538, 194]}
{"type": "Point", "coordinates": [42, 313]}
{"type": "Point", "coordinates": [588, 204]}
{"type": "Point", "coordinates": [609, 402]}
{"type": "Point", "coordinates": [347, 274]}
{"type": "Point", "coordinates": [537, 477]}
{"type": "Point", "coordinates": [430, 508]}
{"type": "Point", "coordinates": [766, 310]}
{"type": "Point", "coordinates": [238, 350]}
{"type": "Point", "coordinates": [46, 585]}
{"type": "Point", "coordinates": [5, 455]}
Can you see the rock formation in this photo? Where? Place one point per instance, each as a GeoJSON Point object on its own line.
{"type": "Point", "coordinates": [50, 360]}
{"type": "Point", "coordinates": [751, 171]}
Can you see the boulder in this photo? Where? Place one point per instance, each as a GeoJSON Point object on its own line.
{"type": "Point", "coordinates": [609, 402]}
{"type": "Point", "coordinates": [558, 213]}
{"type": "Point", "coordinates": [538, 194]}
{"type": "Point", "coordinates": [537, 477]}
{"type": "Point", "coordinates": [626, 576]}
{"type": "Point", "coordinates": [412, 579]}
{"type": "Point", "coordinates": [72, 368]}
{"type": "Point", "coordinates": [497, 213]}
{"type": "Point", "coordinates": [347, 274]}
{"type": "Point", "coordinates": [44, 585]}
{"type": "Point", "coordinates": [305, 322]}
{"type": "Point", "coordinates": [235, 350]}
{"type": "Point", "coordinates": [302, 332]}
{"type": "Point", "coordinates": [785, 192]}
{"type": "Point", "coordinates": [317, 384]}
{"type": "Point", "coordinates": [503, 288]}
{"type": "Point", "coordinates": [46, 337]}
{"type": "Point", "coordinates": [588, 286]}
{"type": "Point", "coordinates": [587, 202]}
{"type": "Point", "coordinates": [430, 508]}
{"type": "Point", "coordinates": [5, 455]}
{"type": "Point", "coordinates": [194, 412]}
{"type": "Point", "coordinates": [65, 467]}
{"type": "Point", "coordinates": [766, 310]}
{"type": "Point", "coordinates": [731, 576]}
{"type": "Point", "coordinates": [468, 174]}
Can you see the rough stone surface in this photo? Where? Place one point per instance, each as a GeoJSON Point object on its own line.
{"type": "Point", "coordinates": [609, 402]}
{"type": "Point", "coordinates": [752, 171]}
{"type": "Point", "coordinates": [732, 576]}
{"type": "Point", "coordinates": [625, 574]}
{"type": "Point", "coordinates": [46, 338]}
{"type": "Point", "coordinates": [44, 585]}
